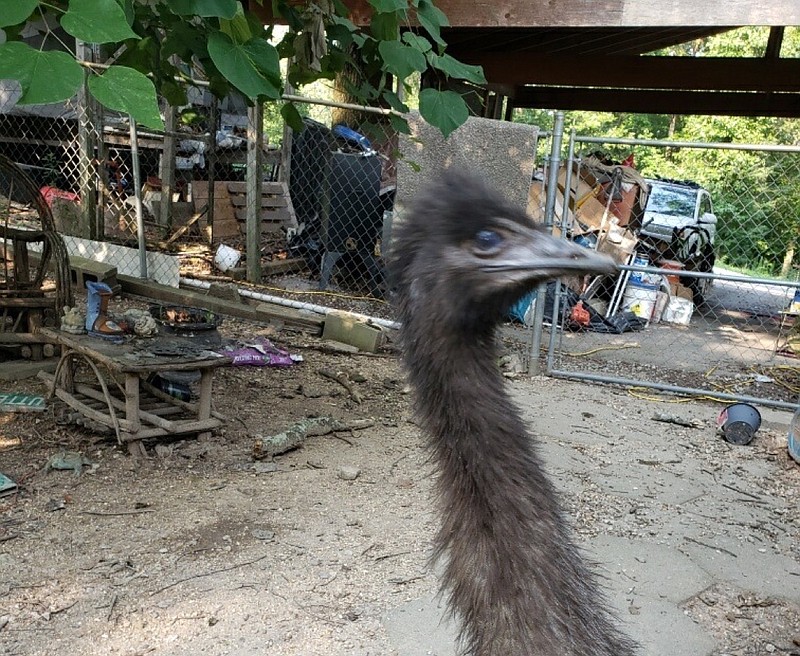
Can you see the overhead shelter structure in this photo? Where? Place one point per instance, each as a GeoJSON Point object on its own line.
{"type": "Point", "coordinates": [593, 55]}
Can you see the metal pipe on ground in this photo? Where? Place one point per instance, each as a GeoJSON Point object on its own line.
{"type": "Point", "coordinates": [297, 305]}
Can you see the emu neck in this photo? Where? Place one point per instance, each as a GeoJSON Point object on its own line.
{"type": "Point", "coordinates": [461, 394]}
{"type": "Point", "coordinates": [512, 573]}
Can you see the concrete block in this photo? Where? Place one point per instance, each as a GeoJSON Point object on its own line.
{"type": "Point", "coordinates": [501, 152]}
{"type": "Point", "coordinates": [225, 291]}
{"type": "Point", "coordinates": [348, 329]}
{"type": "Point", "coordinates": [20, 369]}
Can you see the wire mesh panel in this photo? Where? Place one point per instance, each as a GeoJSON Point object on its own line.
{"type": "Point", "coordinates": [706, 301]}
{"type": "Point", "coordinates": [342, 184]}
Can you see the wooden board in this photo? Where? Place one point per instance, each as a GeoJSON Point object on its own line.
{"type": "Point", "coordinates": [230, 207]}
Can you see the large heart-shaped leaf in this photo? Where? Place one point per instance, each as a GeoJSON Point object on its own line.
{"type": "Point", "coordinates": [432, 19]}
{"type": "Point", "coordinates": [97, 21]}
{"type": "Point", "coordinates": [292, 117]}
{"type": "Point", "coordinates": [206, 8]}
{"type": "Point", "coordinates": [386, 6]}
{"type": "Point", "coordinates": [401, 60]}
{"type": "Point", "coordinates": [45, 77]}
{"type": "Point", "coordinates": [393, 100]}
{"type": "Point", "coordinates": [454, 68]}
{"type": "Point", "coordinates": [415, 41]}
{"type": "Point", "coordinates": [445, 110]}
{"type": "Point", "coordinates": [252, 67]}
{"type": "Point", "coordinates": [16, 11]}
{"type": "Point", "coordinates": [126, 90]}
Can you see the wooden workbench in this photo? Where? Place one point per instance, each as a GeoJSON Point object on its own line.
{"type": "Point", "coordinates": [120, 397]}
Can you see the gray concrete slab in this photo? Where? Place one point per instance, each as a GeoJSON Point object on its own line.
{"type": "Point", "coordinates": [482, 145]}
{"type": "Point", "coordinates": [687, 512]}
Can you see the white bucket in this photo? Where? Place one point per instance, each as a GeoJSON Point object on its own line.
{"type": "Point", "coordinates": [678, 310]}
{"type": "Point", "coordinates": [640, 299]}
{"type": "Point", "coordinates": [641, 277]}
{"type": "Point", "coordinates": [226, 257]}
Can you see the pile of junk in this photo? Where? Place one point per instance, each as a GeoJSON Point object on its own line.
{"type": "Point", "coordinates": [606, 209]}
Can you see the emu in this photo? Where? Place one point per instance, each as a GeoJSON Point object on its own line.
{"type": "Point", "coordinates": [512, 573]}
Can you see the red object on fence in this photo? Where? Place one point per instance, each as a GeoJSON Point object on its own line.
{"type": "Point", "coordinates": [51, 193]}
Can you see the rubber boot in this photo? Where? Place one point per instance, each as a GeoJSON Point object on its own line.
{"type": "Point", "coordinates": [97, 322]}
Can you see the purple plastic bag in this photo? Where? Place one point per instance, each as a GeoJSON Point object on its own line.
{"type": "Point", "coordinates": [260, 352]}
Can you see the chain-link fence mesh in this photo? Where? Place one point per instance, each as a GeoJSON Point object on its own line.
{"type": "Point", "coordinates": [706, 301]}
{"type": "Point", "coordinates": [230, 193]}
{"type": "Point", "coordinates": [235, 194]}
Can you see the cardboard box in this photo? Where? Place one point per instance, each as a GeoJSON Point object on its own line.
{"type": "Point", "coordinates": [681, 291]}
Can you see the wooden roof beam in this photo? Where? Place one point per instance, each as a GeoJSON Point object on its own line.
{"type": "Point", "coordinates": [704, 73]}
{"type": "Point", "coordinates": [713, 103]}
{"type": "Point", "coordinates": [593, 13]}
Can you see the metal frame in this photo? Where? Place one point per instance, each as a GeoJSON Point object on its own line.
{"type": "Point", "coordinates": [555, 331]}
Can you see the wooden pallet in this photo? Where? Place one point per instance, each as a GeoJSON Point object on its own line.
{"type": "Point", "coordinates": [230, 207]}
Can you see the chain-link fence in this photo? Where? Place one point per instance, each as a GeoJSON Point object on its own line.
{"type": "Point", "coordinates": [230, 193]}
{"type": "Point", "coordinates": [705, 303]}
{"type": "Point", "coordinates": [705, 236]}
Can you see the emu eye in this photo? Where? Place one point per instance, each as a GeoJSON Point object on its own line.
{"type": "Point", "coordinates": [488, 240]}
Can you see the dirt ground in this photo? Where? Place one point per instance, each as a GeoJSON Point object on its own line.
{"type": "Point", "coordinates": [203, 550]}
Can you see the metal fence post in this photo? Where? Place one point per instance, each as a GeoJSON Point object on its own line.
{"type": "Point", "coordinates": [254, 178]}
{"type": "Point", "coordinates": [137, 194]}
{"type": "Point", "coordinates": [534, 368]}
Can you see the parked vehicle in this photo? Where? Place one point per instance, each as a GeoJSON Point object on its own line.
{"type": "Point", "coordinates": [679, 222]}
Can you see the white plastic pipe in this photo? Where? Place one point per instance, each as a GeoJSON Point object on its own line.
{"type": "Point", "coordinates": [298, 305]}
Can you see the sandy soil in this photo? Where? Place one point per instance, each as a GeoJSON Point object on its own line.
{"type": "Point", "coordinates": [204, 550]}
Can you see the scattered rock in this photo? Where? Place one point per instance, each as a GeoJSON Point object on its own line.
{"type": "Point", "coordinates": [348, 473]}
{"type": "Point", "coordinates": [263, 534]}
{"type": "Point", "coordinates": [264, 467]}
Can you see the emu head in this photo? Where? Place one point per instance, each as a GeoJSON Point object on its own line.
{"type": "Point", "coordinates": [463, 254]}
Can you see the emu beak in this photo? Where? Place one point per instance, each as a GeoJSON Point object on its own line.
{"type": "Point", "coordinates": [532, 254]}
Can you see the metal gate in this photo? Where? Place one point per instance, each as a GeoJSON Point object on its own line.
{"type": "Point", "coordinates": [740, 343]}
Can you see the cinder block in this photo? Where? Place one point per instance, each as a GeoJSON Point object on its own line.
{"type": "Point", "coordinates": [348, 329]}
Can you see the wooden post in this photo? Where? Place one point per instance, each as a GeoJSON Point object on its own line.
{"type": "Point", "coordinates": [204, 402]}
{"type": "Point", "coordinates": [132, 401]}
{"type": "Point", "coordinates": [87, 147]}
{"type": "Point", "coordinates": [254, 178]}
{"type": "Point", "coordinates": [167, 172]}
{"type": "Point", "coordinates": [212, 165]}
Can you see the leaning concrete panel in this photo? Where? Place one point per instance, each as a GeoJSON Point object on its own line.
{"type": "Point", "coordinates": [499, 151]}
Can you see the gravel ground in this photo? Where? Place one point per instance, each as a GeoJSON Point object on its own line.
{"type": "Point", "coordinates": [204, 550]}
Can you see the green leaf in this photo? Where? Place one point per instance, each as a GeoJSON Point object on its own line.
{"type": "Point", "coordinates": [387, 6]}
{"type": "Point", "coordinates": [183, 40]}
{"type": "Point", "coordinates": [128, 91]}
{"type": "Point", "coordinates": [399, 124]}
{"type": "Point", "coordinates": [384, 27]}
{"type": "Point", "coordinates": [401, 60]}
{"type": "Point", "coordinates": [339, 34]}
{"type": "Point", "coordinates": [16, 11]}
{"type": "Point", "coordinates": [45, 77]}
{"type": "Point", "coordinates": [432, 19]}
{"type": "Point", "coordinates": [344, 22]}
{"type": "Point", "coordinates": [143, 56]}
{"type": "Point", "coordinates": [252, 67]}
{"type": "Point", "coordinates": [97, 21]}
{"type": "Point", "coordinates": [292, 117]}
{"type": "Point", "coordinates": [415, 41]}
{"type": "Point", "coordinates": [454, 68]}
{"type": "Point", "coordinates": [205, 8]}
{"type": "Point", "coordinates": [445, 110]}
{"type": "Point", "coordinates": [238, 28]}
{"type": "Point", "coordinates": [173, 93]}
{"type": "Point", "coordinates": [393, 100]}
{"type": "Point", "coordinates": [130, 12]}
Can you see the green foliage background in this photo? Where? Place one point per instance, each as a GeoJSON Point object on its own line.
{"type": "Point", "coordinates": [756, 193]}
